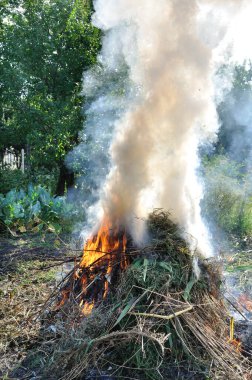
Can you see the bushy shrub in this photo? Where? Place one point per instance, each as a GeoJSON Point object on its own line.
{"type": "Point", "coordinates": [34, 210]}
{"type": "Point", "coordinates": [12, 179]}
{"type": "Point", "coordinates": [228, 195]}
{"type": "Point", "coordinates": [45, 177]}
{"type": "Point", "coordinates": [15, 179]}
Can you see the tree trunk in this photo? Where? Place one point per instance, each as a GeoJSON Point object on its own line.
{"type": "Point", "coordinates": [65, 181]}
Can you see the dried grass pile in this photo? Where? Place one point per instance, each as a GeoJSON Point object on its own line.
{"type": "Point", "coordinates": [158, 322]}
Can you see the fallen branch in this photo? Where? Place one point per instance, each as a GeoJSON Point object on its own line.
{"type": "Point", "coordinates": [166, 317]}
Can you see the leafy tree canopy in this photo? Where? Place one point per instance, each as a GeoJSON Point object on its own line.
{"type": "Point", "coordinates": [45, 47]}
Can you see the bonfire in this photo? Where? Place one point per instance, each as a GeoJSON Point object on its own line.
{"type": "Point", "coordinates": [103, 255]}
{"type": "Point", "coordinates": [142, 313]}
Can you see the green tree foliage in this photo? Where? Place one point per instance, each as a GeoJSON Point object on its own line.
{"type": "Point", "coordinates": [235, 115]}
{"type": "Point", "coordinates": [45, 47]}
{"type": "Point", "coordinates": [228, 170]}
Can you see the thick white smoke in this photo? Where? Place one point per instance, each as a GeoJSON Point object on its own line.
{"type": "Point", "coordinates": [157, 122]}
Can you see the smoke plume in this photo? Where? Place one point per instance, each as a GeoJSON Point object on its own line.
{"type": "Point", "coordinates": [151, 106]}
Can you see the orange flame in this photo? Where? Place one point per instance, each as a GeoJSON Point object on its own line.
{"type": "Point", "coordinates": [101, 251]}
{"type": "Point", "coordinates": [87, 308]}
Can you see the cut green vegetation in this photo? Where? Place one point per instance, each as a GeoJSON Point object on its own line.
{"type": "Point", "coordinates": [158, 321]}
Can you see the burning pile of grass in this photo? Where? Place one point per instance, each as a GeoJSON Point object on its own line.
{"type": "Point", "coordinates": [157, 321]}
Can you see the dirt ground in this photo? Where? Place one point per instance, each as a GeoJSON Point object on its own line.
{"type": "Point", "coordinates": [29, 270]}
